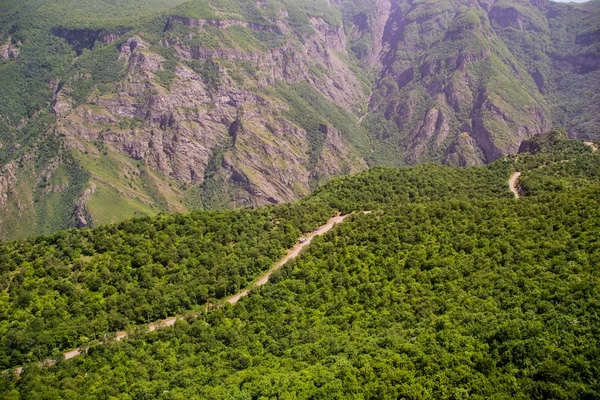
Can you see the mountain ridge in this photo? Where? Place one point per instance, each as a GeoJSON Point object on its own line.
{"type": "Point", "coordinates": [217, 104]}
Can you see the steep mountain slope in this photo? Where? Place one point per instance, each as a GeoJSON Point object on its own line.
{"type": "Point", "coordinates": [116, 109]}
{"type": "Point", "coordinates": [559, 47]}
{"type": "Point", "coordinates": [449, 288]}
{"type": "Point", "coordinates": [206, 105]}
{"type": "Point", "coordinates": [464, 82]}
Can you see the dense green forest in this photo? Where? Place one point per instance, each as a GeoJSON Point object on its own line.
{"type": "Point", "coordinates": [444, 300]}
{"type": "Point", "coordinates": [450, 288]}
{"type": "Point", "coordinates": [68, 289]}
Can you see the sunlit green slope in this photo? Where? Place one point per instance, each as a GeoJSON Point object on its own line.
{"type": "Point", "coordinates": [450, 288]}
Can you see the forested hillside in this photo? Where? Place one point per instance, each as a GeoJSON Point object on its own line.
{"type": "Point", "coordinates": [449, 288]}
{"type": "Point", "coordinates": [115, 109]}
{"type": "Point", "coordinates": [76, 286]}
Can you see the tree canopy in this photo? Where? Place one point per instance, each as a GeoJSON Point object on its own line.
{"type": "Point", "coordinates": [450, 288]}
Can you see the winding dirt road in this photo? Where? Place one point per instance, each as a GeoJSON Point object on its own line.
{"type": "Point", "coordinates": [293, 253]}
{"type": "Point", "coordinates": [515, 177]}
{"type": "Point", "coordinates": [513, 184]}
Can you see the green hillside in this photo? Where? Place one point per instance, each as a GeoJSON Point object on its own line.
{"type": "Point", "coordinates": [78, 285]}
{"type": "Point", "coordinates": [450, 288]}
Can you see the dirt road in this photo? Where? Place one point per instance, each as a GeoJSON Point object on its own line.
{"type": "Point", "coordinates": [513, 184]}
{"type": "Point", "coordinates": [293, 253]}
{"type": "Point", "coordinates": [592, 145]}
{"type": "Point", "coordinates": [290, 256]}
{"type": "Point", "coordinates": [515, 177]}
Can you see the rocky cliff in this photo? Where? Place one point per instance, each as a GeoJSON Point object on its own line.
{"type": "Point", "coordinates": [212, 105]}
{"type": "Point", "coordinates": [204, 115]}
{"type": "Point", "coordinates": [485, 75]}
{"type": "Point", "coordinates": [219, 98]}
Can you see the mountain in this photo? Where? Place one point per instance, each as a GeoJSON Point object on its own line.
{"type": "Point", "coordinates": [197, 105]}
{"type": "Point", "coordinates": [448, 287]}
{"type": "Point", "coordinates": [464, 82]}
{"type": "Point", "coordinates": [128, 108]}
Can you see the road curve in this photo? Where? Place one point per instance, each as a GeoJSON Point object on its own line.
{"type": "Point", "coordinates": [513, 184]}
{"type": "Point", "coordinates": [293, 253]}
{"type": "Point", "coordinates": [515, 177]}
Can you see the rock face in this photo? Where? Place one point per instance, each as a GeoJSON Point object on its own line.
{"type": "Point", "coordinates": [81, 215]}
{"type": "Point", "coordinates": [183, 123]}
{"type": "Point", "coordinates": [447, 81]}
{"type": "Point", "coordinates": [494, 73]}
{"type": "Point", "coordinates": [9, 50]}
{"type": "Point", "coordinates": [260, 104]}
{"type": "Point", "coordinates": [7, 181]}
{"type": "Point", "coordinates": [86, 38]}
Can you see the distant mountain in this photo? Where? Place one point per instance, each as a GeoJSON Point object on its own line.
{"type": "Point", "coordinates": [464, 82]}
{"type": "Point", "coordinates": [128, 108]}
